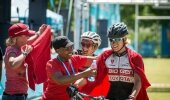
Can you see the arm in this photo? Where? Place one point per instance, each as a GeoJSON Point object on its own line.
{"type": "Point", "coordinates": [37, 34]}
{"type": "Point", "coordinates": [137, 86]}
{"type": "Point", "coordinates": [90, 60]}
{"type": "Point", "coordinates": [59, 78]}
{"type": "Point", "coordinates": [16, 62]}
{"type": "Point", "coordinates": [80, 82]}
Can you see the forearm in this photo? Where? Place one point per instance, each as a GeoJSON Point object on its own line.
{"type": "Point", "coordinates": [70, 79]}
{"type": "Point", "coordinates": [17, 61]}
{"type": "Point", "coordinates": [137, 86]}
{"type": "Point", "coordinates": [33, 38]}
{"type": "Point", "coordinates": [90, 60]}
{"type": "Point", "coordinates": [80, 82]}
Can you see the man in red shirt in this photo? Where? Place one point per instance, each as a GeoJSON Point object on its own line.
{"type": "Point", "coordinates": [62, 71]}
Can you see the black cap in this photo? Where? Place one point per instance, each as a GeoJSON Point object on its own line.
{"type": "Point", "coordinates": [61, 41]}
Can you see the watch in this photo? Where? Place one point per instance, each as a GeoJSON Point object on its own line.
{"type": "Point", "coordinates": [25, 53]}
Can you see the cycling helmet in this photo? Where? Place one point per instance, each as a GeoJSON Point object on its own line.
{"type": "Point", "coordinates": [117, 30]}
{"type": "Point", "coordinates": [92, 36]}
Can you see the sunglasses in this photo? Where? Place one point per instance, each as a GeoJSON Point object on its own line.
{"type": "Point", "coordinates": [83, 44]}
{"type": "Point", "coordinates": [116, 39]}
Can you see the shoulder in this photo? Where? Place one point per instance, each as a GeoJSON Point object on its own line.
{"type": "Point", "coordinates": [53, 61]}
{"type": "Point", "coordinates": [11, 49]}
{"type": "Point", "coordinates": [133, 53]}
{"type": "Point", "coordinates": [105, 54]}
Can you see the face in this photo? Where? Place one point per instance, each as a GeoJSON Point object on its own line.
{"type": "Point", "coordinates": [87, 47]}
{"type": "Point", "coordinates": [22, 40]}
{"type": "Point", "coordinates": [66, 52]}
{"type": "Point", "coordinates": [116, 44]}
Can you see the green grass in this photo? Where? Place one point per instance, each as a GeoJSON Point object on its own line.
{"type": "Point", "coordinates": [158, 71]}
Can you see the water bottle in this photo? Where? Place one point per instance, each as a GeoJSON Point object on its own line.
{"type": "Point", "coordinates": [93, 66]}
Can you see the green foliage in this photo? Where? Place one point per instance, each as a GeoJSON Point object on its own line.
{"type": "Point", "coordinates": [128, 14]}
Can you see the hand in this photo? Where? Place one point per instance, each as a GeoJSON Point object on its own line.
{"type": "Point", "coordinates": [27, 49]}
{"type": "Point", "coordinates": [91, 72]}
{"type": "Point", "coordinates": [132, 97]}
{"type": "Point", "coordinates": [42, 29]}
{"type": "Point", "coordinates": [71, 90]}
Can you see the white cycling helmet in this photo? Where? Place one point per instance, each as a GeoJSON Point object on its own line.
{"type": "Point", "coordinates": [91, 36]}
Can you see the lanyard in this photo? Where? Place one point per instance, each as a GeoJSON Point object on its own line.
{"type": "Point", "coordinates": [66, 67]}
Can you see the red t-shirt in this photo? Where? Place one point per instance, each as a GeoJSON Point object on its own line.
{"type": "Point", "coordinates": [16, 82]}
{"type": "Point", "coordinates": [56, 91]}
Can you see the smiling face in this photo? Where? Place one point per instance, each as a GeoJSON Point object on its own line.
{"type": "Point", "coordinates": [88, 47]}
{"type": "Point", "coordinates": [65, 53]}
{"type": "Point", "coordinates": [117, 44]}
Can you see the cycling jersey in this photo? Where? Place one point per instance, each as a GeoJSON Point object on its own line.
{"type": "Point", "coordinates": [102, 84]}
{"type": "Point", "coordinates": [121, 77]}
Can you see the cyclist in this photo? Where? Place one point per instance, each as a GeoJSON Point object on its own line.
{"type": "Point", "coordinates": [90, 41]}
{"type": "Point", "coordinates": [121, 68]}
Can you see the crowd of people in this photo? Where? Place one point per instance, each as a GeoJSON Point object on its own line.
{"type": "Point", "coordinates": [117, 73]}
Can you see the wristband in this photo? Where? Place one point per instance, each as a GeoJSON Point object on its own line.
{"type": "Point", "coordinates": [25, 53]}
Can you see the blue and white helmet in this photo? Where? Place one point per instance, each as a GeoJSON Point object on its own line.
{"type": "Point", "coordinates": [91, 36]}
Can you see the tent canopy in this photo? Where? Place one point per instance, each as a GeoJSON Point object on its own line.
{"type": "Point", "coordinates": [20, 10]}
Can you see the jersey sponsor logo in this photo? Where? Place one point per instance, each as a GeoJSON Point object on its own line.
{"type": "Point", "coordinates": [121, 78]}
{"type": "Point", "coordinates": [112, 61]}
{"type": "Point", "coordinates": [120, 71]}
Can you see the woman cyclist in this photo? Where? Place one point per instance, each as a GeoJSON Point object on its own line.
{"type": "Point", "coordinates": [121, 67]}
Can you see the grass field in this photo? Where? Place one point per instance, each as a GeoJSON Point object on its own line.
{"type": "Point", "coordinates": [158, 71]}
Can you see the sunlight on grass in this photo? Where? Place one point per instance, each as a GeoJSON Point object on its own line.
{"type": "Point", "coordinates": [159, 95]}
{"type": "Point", "coordinates": [157, 70]}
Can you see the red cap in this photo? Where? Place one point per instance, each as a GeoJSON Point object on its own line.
{"type": "Point", "coordinates": [19, 29]}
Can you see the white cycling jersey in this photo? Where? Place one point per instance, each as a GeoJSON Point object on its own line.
{"type": "Point", "coordinates": [121, 76]}
{"type": "Point", "coordinates": [119, 69]}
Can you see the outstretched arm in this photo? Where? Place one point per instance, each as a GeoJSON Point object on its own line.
{"type": "Point", "coordinates": [59, 78]}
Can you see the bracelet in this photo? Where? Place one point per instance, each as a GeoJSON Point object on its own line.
{"type": "Point", "coordinates": [25, 53]}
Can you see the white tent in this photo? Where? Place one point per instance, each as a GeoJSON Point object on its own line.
{"type": "Point", "coordinates": [20, 9]}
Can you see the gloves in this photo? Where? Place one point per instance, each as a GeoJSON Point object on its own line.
{"type": "Point", "coordinates": [71, 90]}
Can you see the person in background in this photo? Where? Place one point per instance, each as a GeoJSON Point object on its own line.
{"type": "Point", "coordinates": [62, 71]}
{"type": "Point", "coordinates": [1, 60]}
{"type": "Point", "coordinates": [90, 41]}
{"type": "Point", "coordinates": [18, 48]}
{"type": "Point", "coordinates": [120, 70]}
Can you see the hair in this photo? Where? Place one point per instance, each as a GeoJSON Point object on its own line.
{"type": "Point", "coordinates": [10, 41]}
